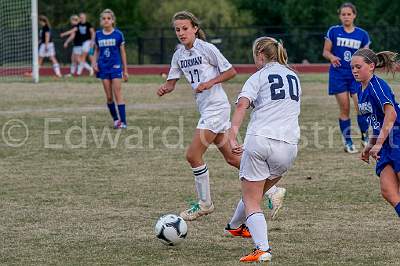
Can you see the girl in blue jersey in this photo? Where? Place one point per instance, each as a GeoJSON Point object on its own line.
{"type": "Point", "coordinates": [111, 65]}
{"type": "Point", "coordinates": [377, 104]}
{"type": "Point", "coordinates": [341, 42]}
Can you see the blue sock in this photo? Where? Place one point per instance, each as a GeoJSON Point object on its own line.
{"type": "Point", "coordinates": [397, 208]}
{"type": "Point", "coordinates": [121, 110]}
{"type": "Point", "coordinates": [113, 111]}
{"type": "Point", "coordinates": [362, 124]}
{"type": "Point", "coordinates": [345, 128]}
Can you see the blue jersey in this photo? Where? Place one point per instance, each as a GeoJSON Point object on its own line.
{"type": "Point", "coordinates": [371, 102]}
{"type": "Point", "coordinates": [109, 57]}
{"type": "Point", "coordinates": [344, 45]}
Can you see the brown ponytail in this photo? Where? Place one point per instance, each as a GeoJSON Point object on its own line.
{"type": "Point", "coordinates": [183, 15]}
{"type": "Point", "coordinates": [385, 59]}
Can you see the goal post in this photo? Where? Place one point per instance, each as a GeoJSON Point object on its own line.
{"type": "Point", "coordinates": [35, 41]}
{"type": "Point", "coordinates": [19, 40]}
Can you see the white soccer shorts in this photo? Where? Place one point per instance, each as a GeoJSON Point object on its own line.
{"type": "Point", "coordinates": [265, 158]}
{"type": "Point", "coordinates": [86, 46]}
{"type": "Point", "coordinates": [217, 121]}
{"type": "Point", "coordinates": [77, 50]}
{"type": "Point", "coordinates": [50, 51]}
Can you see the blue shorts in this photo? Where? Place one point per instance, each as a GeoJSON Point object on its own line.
{"type": "Point", "coordinates": [339, 83]}
{"type": "Point", "coordinates": [109, 76]}
{"type": "Point", "coordinates": [388, 156]}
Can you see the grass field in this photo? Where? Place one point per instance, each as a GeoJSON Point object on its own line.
{"type": "Point", "coordinates": [80, 193]}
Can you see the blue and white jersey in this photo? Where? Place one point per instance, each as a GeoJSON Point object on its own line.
{"type": "Point", "coordinates": [109, 57]}
{"type": "Point", "coordinates": [371, 102]}
{"type": "Point", "coordinates": [344, 45]}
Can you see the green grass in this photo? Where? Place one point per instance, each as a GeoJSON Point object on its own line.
{"type": "Point", "coordinates": [98, 203]}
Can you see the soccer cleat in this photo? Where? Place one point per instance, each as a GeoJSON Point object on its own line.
{"type": "Point", "coordinates": [123, 125]}
{"type": "Point", "coordinates": [350, 148]}
{"type": "Point", "coordinates": [196, 210]}
{"type": "Point", "coordinates": [257, 255]}
{"type": "Point", "coordinates": [241, 231]}
{"type": "Point", "coordinates": [117, 124]}
{"type": "Point", "coordinates": [276, 201]}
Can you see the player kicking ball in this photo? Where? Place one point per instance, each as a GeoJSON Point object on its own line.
{"type": "Point", "coordinates": [270, 146]}
{"type": "Point", "coordinates": [205, 68]}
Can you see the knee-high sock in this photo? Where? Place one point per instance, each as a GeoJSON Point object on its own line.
{"type": "Point", "coordinates": [362, 123]}
{"type": "Point", "coordinates": [202, 180]}
{"type": "Point", "coordinates": [113, 110]}
{"type": "Point", "coordinates": [258, 229]}
{"type": "Point", "coordinates": [345, 128]}
{"type": "Point", "coordinates": [239, 217]}
{"type": "Point", "coordinates": [121, 111]}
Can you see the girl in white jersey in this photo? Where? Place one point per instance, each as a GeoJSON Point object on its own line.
{"type": "Point", "coordinates": [271, 139]}
{"type": "Point", "coordinates": [205, 68]}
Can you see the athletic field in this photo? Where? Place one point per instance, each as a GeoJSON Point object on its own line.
{"type": "Point", "coordinates": [74, 191]}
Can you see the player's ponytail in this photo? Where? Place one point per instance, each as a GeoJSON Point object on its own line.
{"type": "Point", "coordinates": [386, 59]}
{"type": "Point", "coordinates": [183, 15]}
{"type": "Point", "coordinates": [272, 49]}
{"type": "Point", "coordinates": [111, 13]}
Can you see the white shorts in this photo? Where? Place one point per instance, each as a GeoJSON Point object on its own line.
{"type": "Point", "coordinates": [86, 46]}
{"type": "Point", "coordinates": [77, 50]}
{"type": "Point", "coordinates": [265, 158]}
{"type": "Point", "coordinates": [216, 121]}
{"type": "Point", "coordinates": [50, 51]}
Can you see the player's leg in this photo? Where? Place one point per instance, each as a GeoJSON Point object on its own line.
{"type": "Point", "coordinates": [110, 101]}
{"type": "Point", "coordinates": [389, 182]}
{"type": "Point", "coordinates": [274, 195]}
{"type": "Point", "coordinates": [202, 139]}
{"type": "Point", "coordinates": [343, 102]}
{"type": "Point", "coordinates": [56, 66]}
{"type": "Point", "coordinates": [253, 192]}
{"type": "Point", "coordinates": [116, 86]}
{"type": "Point", "coordinates": [361, 121]}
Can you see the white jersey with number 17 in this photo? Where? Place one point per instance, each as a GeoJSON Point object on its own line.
{"type": "Point", "coordinates": [274, 91]}
{"type": "Point", "coordinates": [200, 64]}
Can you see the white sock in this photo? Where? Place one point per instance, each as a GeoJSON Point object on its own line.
{"type": "Point", "coordinates": [202, 180]}
{"type": "Point", "coordinates": [87, 66]}
{"type": "Point", "coordinates": [56, 68]}
{"type": "Point", "coordinates": [72, 68]}
{"type": "Point", "coordinates": [271, 191]}
{"type": "Point", "coordinates": [239, 217]}
{"type": "Point", "coordinates": [80, 68]}
{"type": "Point", "coordinates": [258, 230]}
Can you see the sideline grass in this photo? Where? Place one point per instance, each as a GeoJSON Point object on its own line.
{"type": "Point", "coordinates": [98, 204]}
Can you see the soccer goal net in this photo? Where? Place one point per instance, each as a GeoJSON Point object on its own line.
{"type": "Point", "coordinates": [18, 40]}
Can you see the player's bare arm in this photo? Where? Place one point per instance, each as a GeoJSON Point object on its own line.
{"type": "Point", "coordinates": [167, 87]}
{"type": "Point", "coordinates": [225, 76]}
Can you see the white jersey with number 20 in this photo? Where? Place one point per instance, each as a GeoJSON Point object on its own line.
{"type": "Point", "coordinates": [274, 91]}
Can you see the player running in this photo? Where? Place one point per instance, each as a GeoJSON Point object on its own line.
{"type": "Point", "coordinates": [111, 65]}
{"type": "Point", "coordinates": [270, 146]}
{"type": "Point", "coordinates": [377, 104]}
{"type": "Point", "coordinates": [205, 68]}
{"type": "Point", "coordinates": [341, 42]}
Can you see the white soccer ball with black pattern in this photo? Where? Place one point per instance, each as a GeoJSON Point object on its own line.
{"type": "Point", "coordinates": [171, 229]}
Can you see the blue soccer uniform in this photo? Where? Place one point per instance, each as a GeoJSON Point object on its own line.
{"type": "Point", "coordinates": [370, 103]}
{"type": "Point", "coordinates": [109, 57]}
{"type": "Point", "coordinates": [344, 45]}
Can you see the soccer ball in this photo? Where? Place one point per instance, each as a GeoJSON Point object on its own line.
{"type": "Point", "coordinates": [171, 229]}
